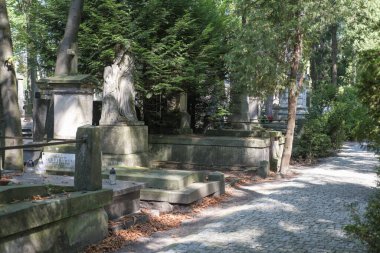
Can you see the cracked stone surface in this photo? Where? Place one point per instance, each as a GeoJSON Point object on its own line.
{"type": "Point", "coordinates": [303, 214]}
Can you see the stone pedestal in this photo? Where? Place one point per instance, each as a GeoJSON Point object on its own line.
{"type": "Point", "coordinates": [185, 122]}
{"type": "Point", "coordinates": [72, 102]}
{"type": "Point", "coordinates": [240, 117]}
{"type": "Point", "coordinates": [254, 109]}
{"type": "Point", "coordinates": [124, 145]}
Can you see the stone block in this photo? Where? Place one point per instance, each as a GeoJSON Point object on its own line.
{"type": "Point", "coordinates": [69, 235]}
{"type": "Point", "coordinates": [160, 179]}
{"type": "Point", "coordinates": [162, 207]}
{"type": "Point", "coordinates": [123, 204]}
{"type": "Point", "coordinates": [263, 170]}
{"type": "Point", "coordinates": [27, 215]}
{"type": "Point", "coordinates": [188, 195]}
{"type": "Point", "coordinates": [122, 139]}
{"type": "Point", "coordinates": [88, 161]}
{"type": "Point", "coordinates": [219, 177]}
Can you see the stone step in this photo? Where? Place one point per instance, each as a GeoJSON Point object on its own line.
{"type": "Point", "coordinates": [153, 178]}
{"type": "Point", "coordinates": [187, 195]}
{"type": "Point", "coordinates": [173, 165]}
{"type": "Point", "coordinates": [159, 178]}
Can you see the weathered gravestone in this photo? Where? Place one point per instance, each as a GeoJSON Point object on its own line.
{"type": "Point", "coordinates": [72, 101]}
{"type": "Point", "coordinates": [70, 104]}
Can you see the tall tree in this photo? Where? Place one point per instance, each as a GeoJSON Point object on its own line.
{"type": "Point", "coordinates": [294, 90]}
{"type": "Point", "coordinates": [10, 117]}
{"type": "Point", "coordinates": [270, 52]}
{"type": "Point", "coordinates": [334, 54]}
{"type": "Point", "coordinates": [66, 63]}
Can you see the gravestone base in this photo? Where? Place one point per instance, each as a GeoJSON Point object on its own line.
{"type": "Point", "coordinates": [130, 160]}
{"type": "Point", "coordinates": [124, 144]}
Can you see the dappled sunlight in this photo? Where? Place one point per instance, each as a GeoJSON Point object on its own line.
{"type": "Point", "coordinates": [270, 188]}
{"type": "Point", "coordinates": [271, 205]}
{"type": "Point", "coordinates": [291, 227]}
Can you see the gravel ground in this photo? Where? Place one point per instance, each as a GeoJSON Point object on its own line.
{"type": "Point", "coordinates": [303, 214]}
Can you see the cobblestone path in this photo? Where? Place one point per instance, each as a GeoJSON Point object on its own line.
{"type": "Point", "coordinates": [303, 214]}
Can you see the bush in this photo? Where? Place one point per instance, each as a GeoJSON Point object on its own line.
{"type": "Point", "coordinates": [313, 142]}
{"type": "Point", "coordinates": [336, 116]}
{"type": "Point", "coordinates": [367, 228]}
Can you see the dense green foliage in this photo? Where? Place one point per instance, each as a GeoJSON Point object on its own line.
{"type": "Point", "coordinates": [369, 89]}
{"type": "Point", "coordinates": [176, 46]}
{"type": "Point", "coordinates": [367, 227]}
{"type": "Point", "coordinates": [336, 115]}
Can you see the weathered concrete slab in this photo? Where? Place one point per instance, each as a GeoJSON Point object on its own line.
{"type": "Point", "coordinates": [160, 179]}
{"type": "Point", "coordinates": [187, 195]}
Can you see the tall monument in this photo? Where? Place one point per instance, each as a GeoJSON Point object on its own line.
{"type": "Point", "coordinates": [124, 137]}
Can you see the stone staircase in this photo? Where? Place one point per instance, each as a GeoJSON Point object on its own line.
{"type": "Point", "coordinates": [173, 186]}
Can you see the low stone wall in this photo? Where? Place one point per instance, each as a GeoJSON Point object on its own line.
{"type": "Point", "coordinates": [210, 150]}
{"type": "Point", "coordinates": [65, 223]}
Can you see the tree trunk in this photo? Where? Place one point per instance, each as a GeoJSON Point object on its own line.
{"type": "Point", "coordinates": [292, 101]}
{"type": "Point", "coordinates": [67, 55]}
{"type": "Point", "coordinates": [13, 159]}
{"type": "Point", "coordinates": [334, 54]}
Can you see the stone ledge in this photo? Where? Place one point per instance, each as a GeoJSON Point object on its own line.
{"type": "Point", "coordinates": [71, 234]}
{"type": "Point", "coordinates": [25, 215]}
{"type": "Point", "coordinates": [188, 195]}
{"type": "Point", "coordinates": [161, 179]}
{"type": "Point", "coordinates": [223, 141]}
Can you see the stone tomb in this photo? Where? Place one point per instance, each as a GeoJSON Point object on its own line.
{"type": "Point", "coordinates": [72, 102]}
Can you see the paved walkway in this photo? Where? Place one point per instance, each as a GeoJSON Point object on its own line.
{"type": "Point", "coordinates": [304, 214]}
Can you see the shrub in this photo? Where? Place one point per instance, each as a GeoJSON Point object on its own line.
{"type": "Point", "coordinates": [313, 142]}
{"type": "Point", "coordinates": [367, 228]}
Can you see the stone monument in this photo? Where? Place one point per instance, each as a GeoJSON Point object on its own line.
{"type": "Point", "coordinates": [70, 100]}
{"type": "Point", "coordinates": [240, 111]}
{"type": "Point", "coordinates": [119, 93]}
{"type": "Point", "coordinates": [124, 137]}
{"type": "Point", "coordinates": [301, 112]}
{"type": "Point", "coordinates": [246, 111]}
{"type": "Point", "coordinates": [185, 118]}
{"type": "Point", "coordinates": [254, 108]}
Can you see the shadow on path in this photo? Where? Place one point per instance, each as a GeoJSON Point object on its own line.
{"type": "Point", "coordinates": [304, 214]}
